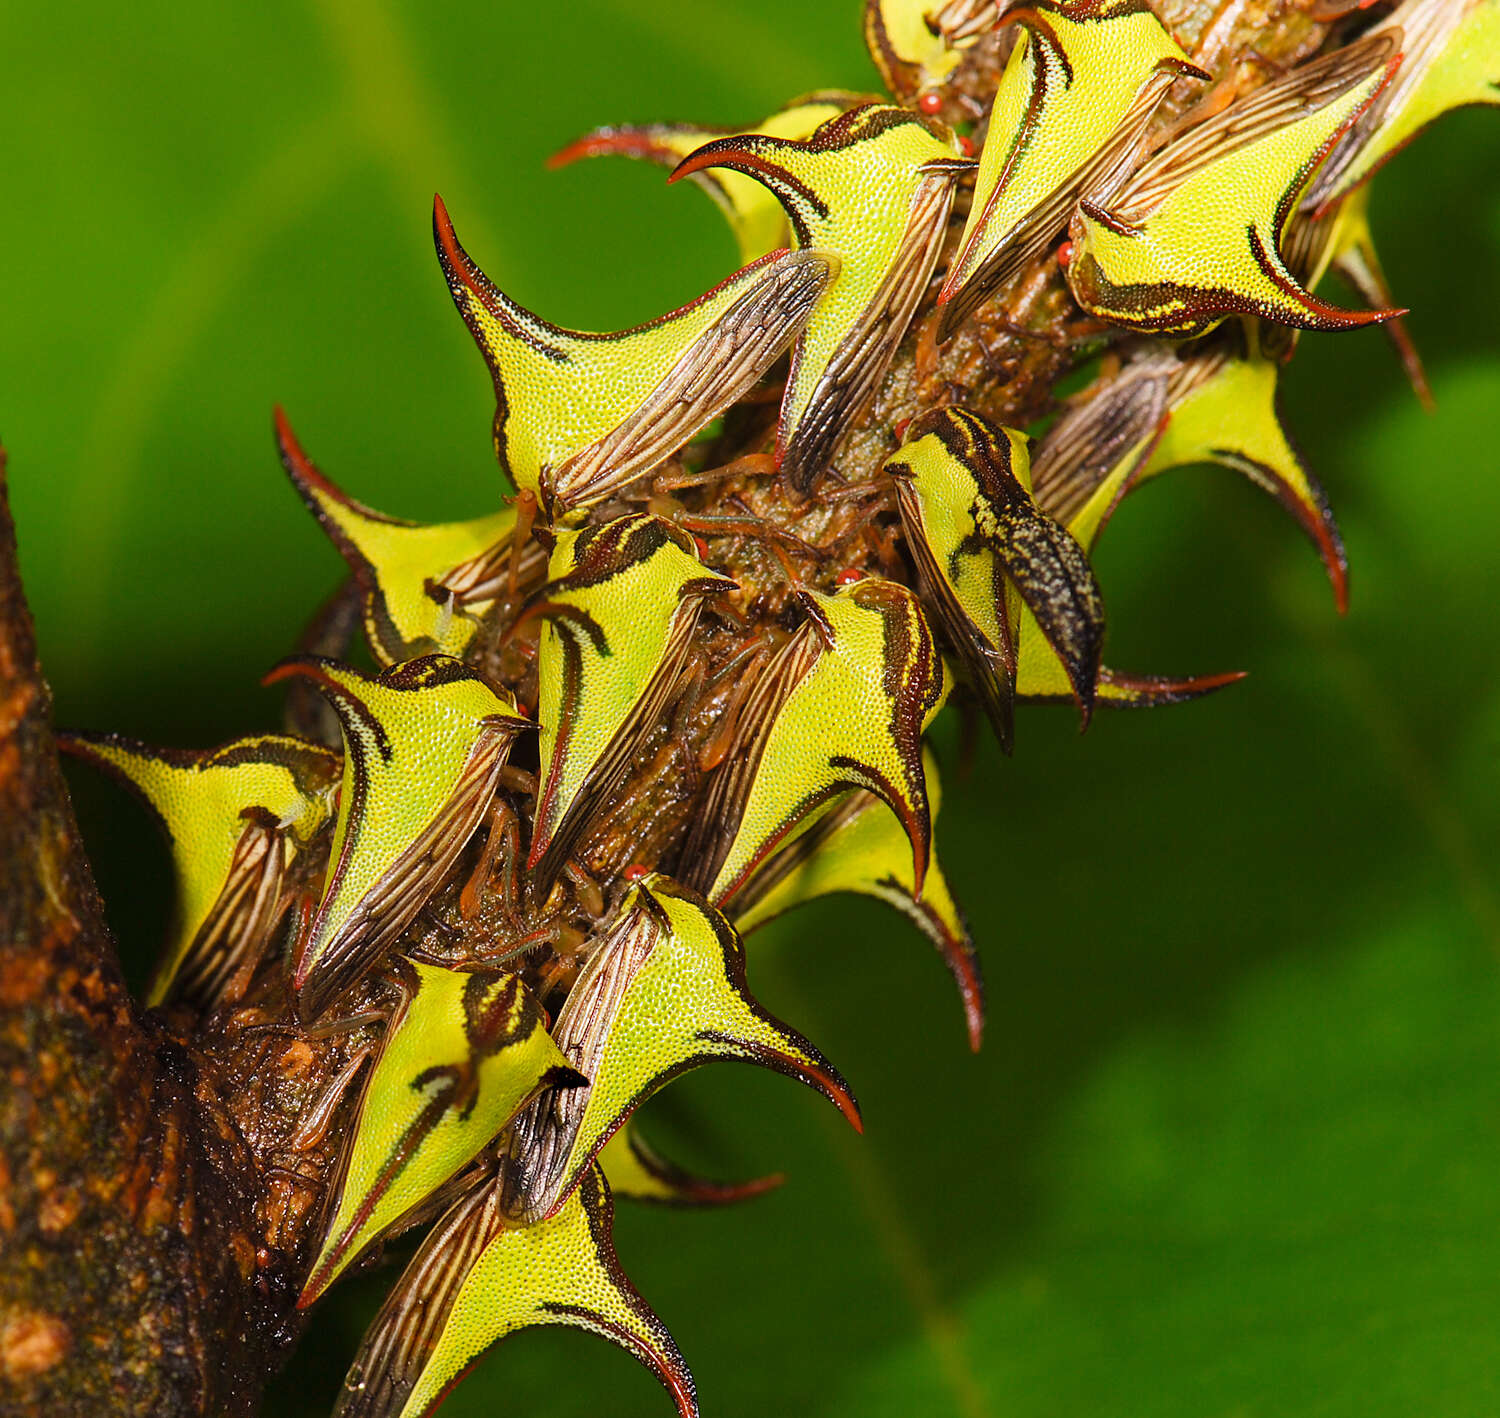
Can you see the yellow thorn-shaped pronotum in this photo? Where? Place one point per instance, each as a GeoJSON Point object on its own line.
{"type": "Point", "coordinates": [232, 816]}
{"type": "Point", "coordinates": [579, 415]}
{"type": "Point", "coordinates": [1194, 234]}
{"type": "Point", "coordinates": [636, 1171]}
{"type": "Point", "coordinates": [663, 991]}
{"type": "Point", "coordinates": [843, 705]}
{"type": "Point", "coordinates": [859, 847]}
{"type": "Point", "coordinates": [872, 187]}
{"type": "Point", "coordinates": [1071, 110]}
{"type": "Point", "coordinates": [753, 213]}
{"type": "Point", "coordinates": [1450, 59]}
{"type": "Point", "coordinates": [1215, 405]}
{"type": "Point", "coordinates": [917, 44]}
{"type": "Point", "coordinates": [1040, 679]}
{"type": "Point", "coordinates": [620, 607]}
{"type": "Point", "coordinates": [424, 743]}
{"type": "Point", "coordinates": [418, 583]}
{"type": "Point", "coordinates": [983, 551]}
{"type": "Point", "coordinates": [478, 1279]}
{"type": "Point", "coordinates": [462, 1055]}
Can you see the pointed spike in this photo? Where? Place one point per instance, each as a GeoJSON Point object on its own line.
{"type": "Point", "coordinates": [1311, 509]}
{"type": "Point", "coordinates": [1315, 314]}
{"type": "Point", "coordinates": [808, 732]}
{"type": "Point", "coordinates": [476, 1281]}
{"type": "Point", "coordinates": [464, 1053]}
{"type": "Point", "coordinates": [1043, 682]}
{"type": "Point", "coordinates": [940, 917]}
{"type": "Point", "coordinates": [231, 816]}
{"type": "Point", "coordinates": [579, 415]}
{"type": "Point", "coordinates": [1126, 691]}
{"type": "Point", "coordinates": [754, 215]}
{"type": "Point", "coordinates": [1071, 111]}
{"type": "Point", "coordinates": [401, 567]}
{"type": "Point", "coordinates": [637, 1172]}
{"type": "Point", "coordinates": [1195, 233]}
{"type": "Point", "coordinates": [461, 270]}
{"type": "Point", "coordinates": [665, 144]}
{"type": "Point", "coordinates": [662, 993]}
{"type": "Point", "coordinates": [620, 607]}
{"type": "Point", "coordinates": [423, 744]}
{"type": "Point", "coordinates": [822, 1078]}
{"type": "Point", "coordinates": [858, 847]}
{"type": "Point", "coordinates": [735, 151]}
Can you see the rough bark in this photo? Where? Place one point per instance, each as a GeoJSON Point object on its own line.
{"type": "Point", "coordinates": [124, 1255]}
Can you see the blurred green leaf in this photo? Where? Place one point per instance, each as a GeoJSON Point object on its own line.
{"type": "Point", "coordinates": [1232, 1145]}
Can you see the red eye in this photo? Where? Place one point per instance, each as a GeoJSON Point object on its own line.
{"type": "Point", "coordinates": [1065, 255]}
{"type": "Point", "coordinates": [702, 548]}
{"type": "Point", "coordinates": [635, 871]}
{"type": "Point", "coordinates": [900, 429]}
{"type": "Point", "coordinates": [930, 102]}
{"type": "Point", "coordinates": [848, 576]}
{"type": "Point", "coordinates": [967, 144]}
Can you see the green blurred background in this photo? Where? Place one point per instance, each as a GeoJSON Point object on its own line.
{"type": "Point", "coordinates": [1233, 1142]}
